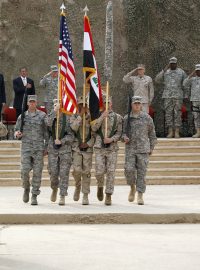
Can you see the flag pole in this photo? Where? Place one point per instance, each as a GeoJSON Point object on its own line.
{"type": "Point", "coordinates": [106, 119]}
{"type": "Point", "coordinates": [84, 91]}
{"type": "Point", "coordinates": [58, 111]}
{"type": "Point", "coordinates": [108, 55]}
{"type": "Point", "coordinates": [84, 97]}
{"type": "Point", "coordinates": [59, 82]}
{"type": "Point", "coordinates": [58, 93]}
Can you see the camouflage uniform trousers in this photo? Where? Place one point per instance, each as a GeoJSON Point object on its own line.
{"type": "Point", "coordinates": [196, 115]}
{"type": "Point", "coordinates": [105, 163]}
{"type": "Point", "coordinates": [32, 160]}
{"type": "Point", "coordinates": [82, 165]}
{"type": "Point", "coordinates": [135, 170]}
{"type": "Point", "coordinates": [59, 167]}
{"type": "Point", "coordinates": [172, 109]}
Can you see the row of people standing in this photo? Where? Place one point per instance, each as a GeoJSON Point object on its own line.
{"type": "Point", "coordinates": [24, 84]}
{"type": "Point", "coordinates": [177, 86]}
{"type": "Point", "coordinates": [70, 149]}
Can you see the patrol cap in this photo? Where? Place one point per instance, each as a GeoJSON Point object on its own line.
{"type": "Point", "coordinates": [54, 68]}
{"type": "Point", "coordinates": [140, 66]}
{"type": "Point", "coordinates": [197, 67]}
{"type": "Point", "coordinates": [173, 60]}
{"type": "Point", "coordinates": [80, 100]}
{"type": "Point", "coordinates": [136, 99]}
{"type": "Point", "coordinates": [104, 98]}
{"type": "Point", "coordinates": [32, 98]}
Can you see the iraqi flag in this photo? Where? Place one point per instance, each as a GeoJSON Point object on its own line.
{"type": "Point", "coordinates": [90, 69]}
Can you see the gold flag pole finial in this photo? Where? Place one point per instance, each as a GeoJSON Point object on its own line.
{"type": "Point", "coordinates": [86, 10]}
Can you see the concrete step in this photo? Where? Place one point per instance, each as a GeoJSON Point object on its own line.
{"type": "Point", "coordinates": [10, 144]}
{"type": "Point", "coordinates": [14, 157]}
{"type": "Point", "coordinates": [161, 142]}
{"type": "Point", "coordinates": [119, 180]}
{"type": "Point", "coordinates": [173, 172]}
{"type": "Point", "coordinates": [9, 151]}
{"type": "Point", "coordinates": [173, 156]}
{"type": "Point", "coordinates": [120, 164]}
{"type": "Point", "coordinates": [176, 149]}
{"type": "Point", "coordinates": [178, 142]}
{"type": "Point", "coordinates": [14, 170]}
{"type": "Point", "coordinates": [174, 164]}
{"type": "Point", "coordinates": [10, 158]}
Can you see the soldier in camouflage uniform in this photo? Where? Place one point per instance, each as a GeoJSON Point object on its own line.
{"type": "Point", "coordinates": [140, 138]}
{"type": "Point", "coordinates": [192, 87]}
{"type": "Point", "coordinates": [142, 85]}
{"type": "Point", "coordinates": [34, 147]}
{"type": "Point", "coordinates": [59, 154]}
{"type": "Point", "coordinates": [106, 150]}
{"type": "Point", "coordinates": [173, 78]}
{"type": "Point", "coordinates": [82, 152]}
{"type": "Point", "coordinates": [50, 83]}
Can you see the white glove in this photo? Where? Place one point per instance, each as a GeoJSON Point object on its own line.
{"type": "Point", "coordinates": [56, 107]}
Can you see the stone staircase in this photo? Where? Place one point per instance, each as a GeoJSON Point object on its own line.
{"type": "Point", "coordinates": [174, 161]}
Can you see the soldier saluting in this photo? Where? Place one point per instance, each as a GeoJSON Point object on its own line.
{"type": "Point", "coordinates": [173, 78]}
{"type": "Point", "coordinates": [50, 82]}
{"type": "Point", "coordinates": [192, 87]}
{"type": "Point", "coordinates": [142, 85]}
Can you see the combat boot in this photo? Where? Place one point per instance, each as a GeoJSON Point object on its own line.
{"type": "Point", "coordinates": [62, 200]}
{"type": "Point", "coordinates": [77, 193]}
{"type": "Point", "coordinates": [131, 196]}
{"type": "Point", "coordinates": [197, 134]}
{"type": "Point", "coordinates": [100, 193]}
{"type": "Point", "coordinates": [26, 195]}
{"type": "Point", "coordinates": [170, 133]}
{"type": "Point", "coordinates": [54, 194]}
{"type": "Point", "coordinates": [34, 200]}
{"type": "Point", "coordinates": [140, 200]}
{"type": "Point", "coordinates": [85, 200]}
{"type": "Point", "coordinates": [108, 200]}
{"type": "Point", "coordinates": [177, 135]}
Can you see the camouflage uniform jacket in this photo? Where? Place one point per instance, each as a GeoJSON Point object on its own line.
{"type": "Point", "coordinates": [192, 88]}
{"type": "Point", "coordinates": [142, 86]}
{"type": "Point", "coordinates": [141, 133]}
{"type": "Point", "coordinates": [76, 123]}
{"type": "Point", "coordinates": [35, 133]}
{"type": "Point", "coordinates": [52, 88]}
{"type": "Point", "coordinates": [99, 125]}
{"type": "Point", "coordinates": [173, 83]}
{"type": "Point", "coordinates": [66, 135]}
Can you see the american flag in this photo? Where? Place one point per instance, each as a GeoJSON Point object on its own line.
{"type": "Point", "coordinates": [67, 84]}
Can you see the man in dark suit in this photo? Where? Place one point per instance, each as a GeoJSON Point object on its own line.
{"type": "Point", "coordinates": [2, 93]}
{"type": "Point", "coordinates": [21, 85]}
